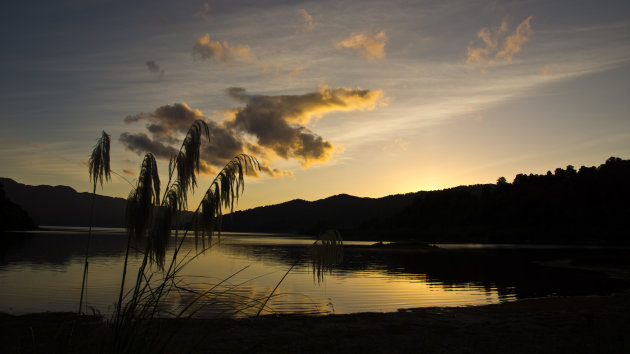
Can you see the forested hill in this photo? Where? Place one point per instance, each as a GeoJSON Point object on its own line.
{"type": "Point", "coordinates": [341, 211]}
{"type": "Point", "coordinates": [589, 205]}
{"type": "Point", "coordinates": [63, 206]}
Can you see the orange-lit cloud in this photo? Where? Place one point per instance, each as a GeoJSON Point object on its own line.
{"type": "Point", "coordinates": [129, 171]}
{"type": "Point", "coordinates": [496, 47]}
{"type": "Point", "coordinates": [267, 126]}
{"type": "Point", "coordinates": [222, 52]}
{"type": "Point", "coordinates": [490, 43]}
{"type": "Point", "coordinates": [514, 43]}
{"type": "Point", "coordinates": [274, 172]}
{"type": "Point", "coordinates": [308, 21]}
{"type": "Point", "coordinates": [371, 47]}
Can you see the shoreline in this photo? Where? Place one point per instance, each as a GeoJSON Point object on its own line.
{"type": "Point", "coordinates": [582, 324]}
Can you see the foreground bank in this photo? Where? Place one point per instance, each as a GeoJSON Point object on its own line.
{"type": "Point", "coordinates": [580, 324]}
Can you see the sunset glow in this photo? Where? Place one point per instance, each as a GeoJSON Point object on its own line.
{"type": "Point", "coordinates": [366, 98]}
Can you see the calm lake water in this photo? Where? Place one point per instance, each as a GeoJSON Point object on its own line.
{"type": "Point", "coordinates": [41, 271]}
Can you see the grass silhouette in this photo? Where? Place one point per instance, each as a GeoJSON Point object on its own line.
{"type": "Point", "coordinates": [153, 221]}
{"type": "Point", "coordinates": [99, 168]}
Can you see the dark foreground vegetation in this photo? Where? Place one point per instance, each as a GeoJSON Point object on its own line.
{"type": "Point", "coordinates": [583, 324]}
{"type": "Point", "coordinates": [590, 205]}
{"type": "Point", "coordinates": [12, 216]}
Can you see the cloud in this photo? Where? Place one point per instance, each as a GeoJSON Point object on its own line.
{"type": "Point", "coordinates": [168, 119]}
{"type": "Point", "coordinates": [490, 43]}
{"type": "Point", "coordinates": [308, 21]}
{"type": "Point", "coordinates": [278, 122]}
{"type": "Point", "coordinates": [140, 143]}
{"type": "Point", "coordinates": [369, 47]}
{"type": "Point", "coordinates": [514, 43]}
{"type": "Point", "coordinates": [268, 127]}
{"type": "Point", "coordinates": [204, 13]}
{"type": "Point", "coordinates": [222, 52]}
{"type": "Point", "coordinates": [154, 67]}
{"type": "Point", "coordinates": [489, 52]}
{"type": "Point", "coordinates": [129, 171]}
{"type": "Point", "coordinates": [170, 122]}
{"type": "Point", "coordinates": [274, 172]}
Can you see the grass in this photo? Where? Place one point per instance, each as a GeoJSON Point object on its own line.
{"type": "Point", "coordinates": [99, 168]}
{"type": "Point", "coordinates": [152, 219]}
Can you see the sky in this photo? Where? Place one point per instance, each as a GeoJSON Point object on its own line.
{"type": "Point", "coordinates": [368, 98]}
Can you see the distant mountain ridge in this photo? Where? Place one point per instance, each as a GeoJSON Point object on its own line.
{"type": "Point", "coordinates": [341, 211]}
{"type": "Point", "coordinates": [64, 206]}
{"type": "Point", "coordinates": [589, 205]}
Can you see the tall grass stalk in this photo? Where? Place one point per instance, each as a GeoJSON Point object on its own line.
{"type": "Point", "coordinates": [99, 168]}
{"type": "Point", "coordinates": [150, 220]}
{"type": "Point", "coordinates": [151, 217]}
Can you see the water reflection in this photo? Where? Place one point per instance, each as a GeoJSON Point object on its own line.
{"type": "Point", "coordinates": [41, 271]}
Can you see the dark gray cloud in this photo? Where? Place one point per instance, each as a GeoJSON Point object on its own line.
{"type": "Point", "coordinates": [266, 126]}
{"type": "Point", "coordinates": [278, 122]}
{"type": "Point", "coordinates": [154, 67]}
{"type": "Point", "coordinates": [168, 123]}
{"type": "Point", "coordinates": [141, 143]}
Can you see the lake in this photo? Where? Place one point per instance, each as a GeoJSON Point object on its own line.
{"type": "Point", "coordinates": [42, 270]}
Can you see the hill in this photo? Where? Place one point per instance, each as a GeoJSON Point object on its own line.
{"type": "Point", "coordinates": [64, 206]}
{"type": "Point", "coordinates": [589, 205]}
{"type": "Point", "coordinates": [341, 211]}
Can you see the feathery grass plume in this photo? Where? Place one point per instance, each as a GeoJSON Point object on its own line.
{"type": "Point", "coordinates": [150, 220]}
{"type": "Point", "coordinates": [143, 199]}
{"type": "Point", "coordinates": [99, 160]}
{"type": "Point", "coordinates": [139, 211]}
{"type": "Point", "coordinates": [224, 190]}
{"type": "Point", "coordinates": [99, 168]}
{"type": "Point", "coordinates": [187, 161]}
{"type": "Point", "coordinates": [327, 251]}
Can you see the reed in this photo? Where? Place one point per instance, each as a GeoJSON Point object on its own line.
{"type": "Point", "coordinates": [150, 220]}
{"type": "Point", "coordinates": [325, 252]}
{"type": "Point", "coordinates": [99, 169]}
{"type": "Point", "coordinates": [153, 216]}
